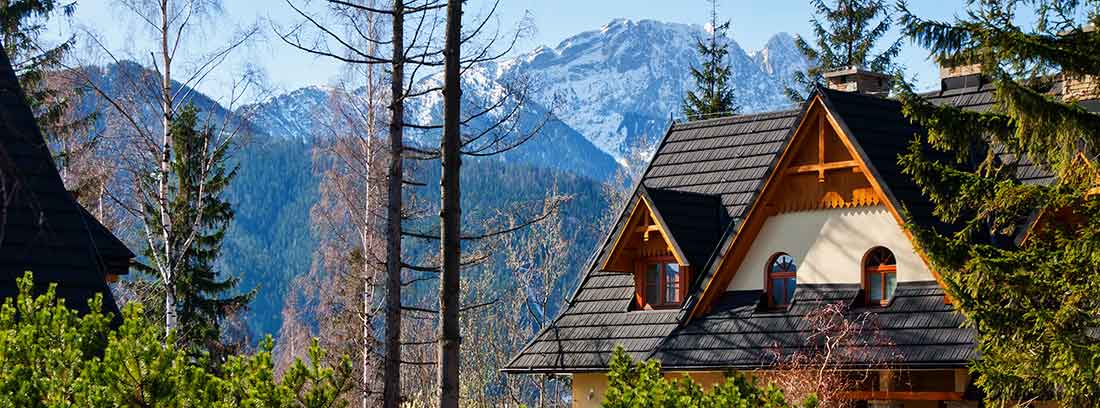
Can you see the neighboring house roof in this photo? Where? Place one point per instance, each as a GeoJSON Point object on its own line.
{"type": "Point", "coordinates": [731, 159]}
{"type": "Point", "coordinates": [43, 228]}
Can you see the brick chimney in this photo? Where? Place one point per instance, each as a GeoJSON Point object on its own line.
{"type": "Point", "coordinates": [1081, 87]}
{"type": "Point", "coordinates": [857, 79]}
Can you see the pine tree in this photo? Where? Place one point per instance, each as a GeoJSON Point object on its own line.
{"type": "Point", "coordinates": [846, 38]}
{"type": "Point", "coordinates": [1031, 298]}
{"type": "Point", "coordinates": [199, 178]}
{"type": "Point", "coordinates": [714, 94]}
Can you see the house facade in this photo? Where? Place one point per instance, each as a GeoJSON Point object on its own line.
{"type": "Point", "coordinates": [743, 228]}
{"type": "Point", "coordinates": [43, 229]}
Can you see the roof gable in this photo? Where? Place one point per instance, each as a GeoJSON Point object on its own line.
{"type": "Point", "coordinates": [645, 234]}
{"type": "Point", "coordinates": [824, 166]}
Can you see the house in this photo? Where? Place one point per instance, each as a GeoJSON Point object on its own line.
{"type": "Point", "coordinates": [744, 226]}
{"type": "Point", "coordinates": [42, 227]}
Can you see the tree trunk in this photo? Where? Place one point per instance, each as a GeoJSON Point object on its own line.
{"type": "Point", "coordinates": [167, 272]}
{"type": "Point", "coordinates": [391, 370]}
{"type": "Point", "coordinates": [450, 213]}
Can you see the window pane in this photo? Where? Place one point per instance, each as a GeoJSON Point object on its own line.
{"type": "Point", "coordinates": [891, 284]}
{"type": "Point", "coordinates": [790, 290]}
{"type": "Point", "coordinates": [777, 292]}
{"type": "Point", "coordinates": [874, 286]}
{"type": "Point", "coordinates": [652, 283]}
{"type": "Point", "coordinates": [672, 283]}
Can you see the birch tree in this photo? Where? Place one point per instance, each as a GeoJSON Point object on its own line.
{"type": "Point", "coordinates": [145, 113]}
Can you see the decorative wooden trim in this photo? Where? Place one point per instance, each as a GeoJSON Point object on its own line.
{"type": "Point", "coordinates": [750, 226]}
{"type": "Point", "coordinates": [739, 245]}
{"type": "Point", "coordinates": [645, 220]}
{"type": "Point", "coordinates": [888, 200]}
{"type": "Point", "coordinates": [902, 395]}
{"type": "Point", "coordinates": [820, 168]}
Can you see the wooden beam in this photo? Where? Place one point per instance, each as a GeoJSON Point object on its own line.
{"type": "Point", "coordinates": [819, 168]}
{"type": "Point", "coordinates": [821, 150]}
{"type": "Point", "coordinates": [648, 228]}
{"type": "Point", "coordinates": [902, 395]}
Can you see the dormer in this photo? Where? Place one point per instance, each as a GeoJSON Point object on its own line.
{"type": "Point", "coordinates": [647, 245]}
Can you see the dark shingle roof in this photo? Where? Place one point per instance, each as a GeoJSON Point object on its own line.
{"type": "Point", "coordinates": [695, 221]}
{"type": "Point", "coordinates": [727, 157]}
{"type": "Point", "coordinates": [740, 333]}
{"type": "Point", "coordinates": [44, 229]}
{"type": "Point", "coordinates": [702, 170]}
{"type": "Point", "coordinates": [729, 160]}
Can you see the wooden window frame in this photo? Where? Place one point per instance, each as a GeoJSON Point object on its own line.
{"type": "Point", "coordinates": [640, 282]}
{"type": "Point", "coordinates": [881, 271]}
{"type": "Point", "coordinates": [769, 275]}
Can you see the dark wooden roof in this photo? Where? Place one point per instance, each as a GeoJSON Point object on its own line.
{"type": "Point", "coordinates": [916, 329]}
{"type": "Point", "coordinates": [695, 221]}
{"type": "Point", "coordinates": [729, 160]}
{"type": "Point", "coordinates": [709, 169]}
{"type": "Point", "coordinates": [43, 228]}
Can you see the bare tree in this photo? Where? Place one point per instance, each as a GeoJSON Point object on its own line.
{"type": "Point", "coordinates": [480, 129]}
{"type": "Point", "coordinates": [837, 340]}
{"type": "Point", "coordinates": [521, 290]}
{"type": "Point", "coordinates": [172, 23]}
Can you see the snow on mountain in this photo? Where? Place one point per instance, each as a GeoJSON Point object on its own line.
{"type": "Point", "coordinates": [780, 58]}
{"type": "Point", "coordinates": [621, 84]}
{"type": "Point", "coordinates": [295, 114]}
{"type": "Point", "coordinates": [618, 86]}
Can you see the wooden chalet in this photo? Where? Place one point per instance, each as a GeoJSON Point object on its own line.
{"type": "Point", "coordinates": [42, 227]}
{"type": "Point", "coordinates": [741, 226]}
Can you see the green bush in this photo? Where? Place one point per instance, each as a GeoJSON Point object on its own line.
{"type": "Point", "coordinates": [632, 384]}
{"type": "Point", "coordinates": [52, 357]}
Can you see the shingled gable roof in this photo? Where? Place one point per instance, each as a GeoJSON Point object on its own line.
{"type": "Point", "coordinates": [719, 162]}
{"type": "Point", "coordinates": [732, 158]}
{"type": "Point", "coordinates": [43, 228]}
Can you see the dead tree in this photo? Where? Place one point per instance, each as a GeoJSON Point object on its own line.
{"type": "Point", "coordinates": [450, 212]}
{"type": "Point", "coordinates": [413, 53]}
{"type": "Point", "coordinates": [359, 47]}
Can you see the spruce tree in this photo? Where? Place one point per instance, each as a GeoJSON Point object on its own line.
{"type": "Point", "coordinates": [199, 177]}
{"type": "Point", "coordinates": [846, 38]}
{"type": "Point", "coordinates": [714, 94]}
{"type": "Point", "coordinates": [1021, 260]}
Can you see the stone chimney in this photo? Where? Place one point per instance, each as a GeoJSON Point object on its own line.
{"type": "Point", "coordinates": [959, 76]}
{"type": "Point", "coordinates": [857, 79]}
{"type": "Point", "coordinates": [1081, 87]}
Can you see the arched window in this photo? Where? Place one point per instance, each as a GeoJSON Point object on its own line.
{"type": "Point", "coordinates": [880, 275]}
{"type": "Point", "coordinates": [781, 279]}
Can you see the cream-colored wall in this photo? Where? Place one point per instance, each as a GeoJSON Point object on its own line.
{"type": "Point", "coordinates": [589, 388]}
{"type": "Point", "coordinates": [829, 246]}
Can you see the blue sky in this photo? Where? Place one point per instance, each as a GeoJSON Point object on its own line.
{"type": "Point", "coordinates": [753, 22]}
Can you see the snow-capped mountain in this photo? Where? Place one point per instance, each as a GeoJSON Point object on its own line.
{"type": "Point", "coordinates": [617, 87]}
{"type": "Point", "coordinates": [624, 82]}
{"type": "Point", "coordinates": [780, 58]}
